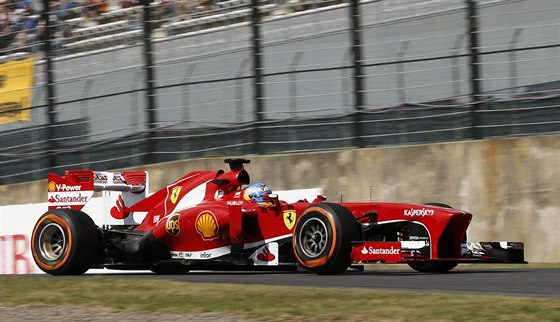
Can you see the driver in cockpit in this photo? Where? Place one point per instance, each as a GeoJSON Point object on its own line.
{"type": "Point", "coordinates": [259, 193]}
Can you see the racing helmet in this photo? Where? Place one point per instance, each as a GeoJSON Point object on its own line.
{"type": "Point", "coordinates": [256, 192]}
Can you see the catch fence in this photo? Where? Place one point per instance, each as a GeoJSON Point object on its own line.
{"type": "Point", "coordinates": [170, 80]}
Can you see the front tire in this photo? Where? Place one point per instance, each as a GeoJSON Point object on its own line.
{"type": "Point", "coordinates": [323, 236]}
{"type": "Point", "coordinates": [65, 242]}
{"type": "Point", "coordinates": [433, 266]}
{"type": "Point", "coordinates": [170, 269]}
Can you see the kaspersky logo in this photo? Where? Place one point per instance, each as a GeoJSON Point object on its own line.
{"type": "Point", "coordinates": [52, 186]}
{"type": "Point", "coordinates": [418, 212]}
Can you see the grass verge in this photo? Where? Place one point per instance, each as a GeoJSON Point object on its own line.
{"type": "Point", "coordinates": [271, 303]}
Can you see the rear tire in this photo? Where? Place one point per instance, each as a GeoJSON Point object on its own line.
{"type": "Point", "coordinates": [323, 236]}
{"type": "Point", "coordinates": [65, 242]}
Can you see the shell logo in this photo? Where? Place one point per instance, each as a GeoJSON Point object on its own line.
{"type": "Point", "coordinates": [207, 226]}
{"type": "Point", "coordinates": [51, 186]}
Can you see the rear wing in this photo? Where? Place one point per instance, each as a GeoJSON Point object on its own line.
{"type": "Point", "coordinates": [76, 187]}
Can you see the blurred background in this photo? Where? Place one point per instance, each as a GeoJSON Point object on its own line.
{"type": "Point", "coordinates": [107, 84]}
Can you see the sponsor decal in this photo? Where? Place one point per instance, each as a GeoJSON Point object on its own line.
{"type": "Point", "coordinates": [55, 187]}
{"type": "Point", "coordinates": [234, 203]}
{"type": "Point", "coordinates": [219, 194]}
{"type": "Point", "coordinates": [66, 199]}
{"type": "Point", "coordinates": [101, 177]}
{"type": "Point", "coordinates": [414, 244]}
{"type": "Point", "coordinates": [172, 225]}
{"type": "Point", "coordinates": [175, 194]}
{"type": "Point", "coordinates": [418, 212]}
{"type": "Point", "coordinates": [207, 226]}
{"type": "Point", "coordinates": [266, 255]}
{"type": "Point", "coordinates": [16, 82]}
{"type": "Point", "coordinates": [182, 255]}
{"type": "Point", "coordinates": [237, 194]}
{"type": "Point", "coordinates": [156, 219]}
{"type": "Point", "coordinates": [15, 257]}
{"type": "Point", "coordinates": [205, 254]}
{"type": "Point", "coordinates": [387, 252]}
{"type": "Point", "coordinates": [289, 219]}
{"type": "Point", "coordinates": [380, 251]}
{"type": "Point", "coordinates": [117, 211]}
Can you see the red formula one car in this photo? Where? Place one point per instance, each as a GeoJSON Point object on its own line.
{"type": "Point", "coordinates": [213, 220]}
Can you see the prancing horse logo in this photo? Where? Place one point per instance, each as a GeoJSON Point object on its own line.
{"type": "Point", "coordinates": [289, 219]}
{"type": "Point", "coordinates": [175, 194]}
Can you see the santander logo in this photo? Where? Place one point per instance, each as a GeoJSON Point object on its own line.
{"type": "Point", "coordinates": [380, 251]}
{"type": "Point", "coordinates": [265, 255]}
{"type": "Point", "coordinates": [74, 199]}
{"type": "Point", "coordinates": [117, 211]}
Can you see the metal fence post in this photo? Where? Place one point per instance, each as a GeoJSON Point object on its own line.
{"type": "Point", "coordinates": [257, 66]}
{"type": "Point", "coordinates": [239, 90]}
{"type": "Point", "coordinates": [357, 70]}
{"type": "Point", "coordinates": [150, 83]}
{"type": "Point", "coordinates": [472, 18]}
{"type": "Point", "coordinates": [513, 76]}
{"type": "Point", "coordinates": [51, 94]}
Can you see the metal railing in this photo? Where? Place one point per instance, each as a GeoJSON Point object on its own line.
{"type": "Point", "coordinates": [252, 77]}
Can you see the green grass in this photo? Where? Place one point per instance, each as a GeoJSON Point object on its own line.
{"type": "Point", "coordinates": [271, 303]}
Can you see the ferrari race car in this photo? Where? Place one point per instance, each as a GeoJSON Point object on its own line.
{"type": "Point", "coordinates": [215, 220]}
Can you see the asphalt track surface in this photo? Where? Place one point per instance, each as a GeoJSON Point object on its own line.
{"type": "Point", "coordinates": [530, 282]}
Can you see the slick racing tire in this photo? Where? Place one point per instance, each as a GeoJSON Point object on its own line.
{"type": "Point", "coordinates": [434, 266]}
{"type": "Point", "coordinates": [438, 204]}
{"type": "Point", "coordinates": [323, 236]}
{"type": "Point", "coordinates": [170, 269]}
{"type": "Point", "coordinates": [65, 242]}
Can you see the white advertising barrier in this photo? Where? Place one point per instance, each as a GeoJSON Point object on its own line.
{"type": "Point", "coordinates": [17, 222]}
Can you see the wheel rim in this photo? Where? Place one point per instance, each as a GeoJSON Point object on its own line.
{"type": "Point", "coordinates": [313, 237]}
{"type": "Point", "coordinates": [52, 242]}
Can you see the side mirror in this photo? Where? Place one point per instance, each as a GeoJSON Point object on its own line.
{"type": "Point", "coordinates": [319, 198]}
{"type": "Point", "coordinates": [272, 198]}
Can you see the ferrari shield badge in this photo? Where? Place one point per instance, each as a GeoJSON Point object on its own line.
{"type": "Point", "coordinates": [172, 225]}
{"type": "Point", "coordinates": [175, 194]}
{"type": "Point", "coordinates": [289, 219]}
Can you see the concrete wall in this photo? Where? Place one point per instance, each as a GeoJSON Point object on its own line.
{"type": "Point", "coordinates": [512, 186]}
